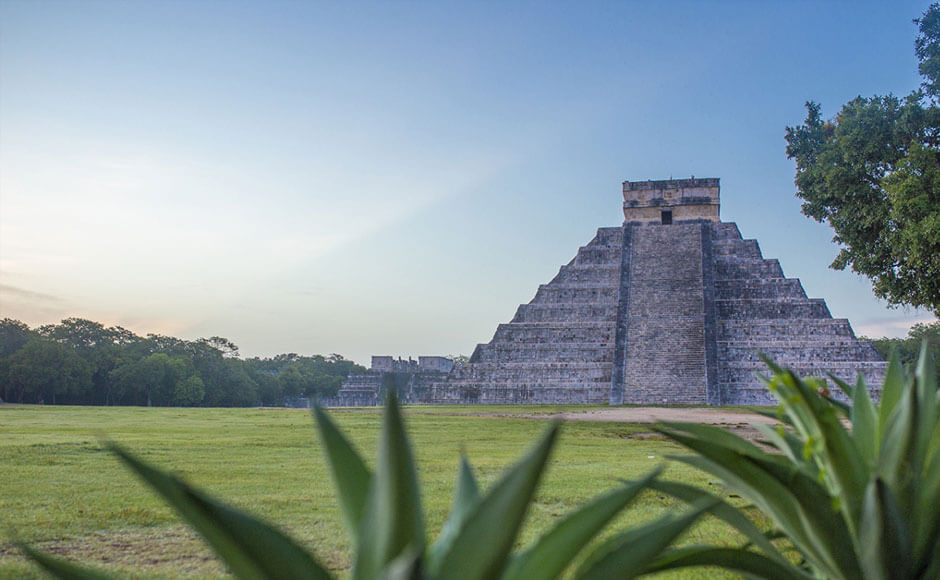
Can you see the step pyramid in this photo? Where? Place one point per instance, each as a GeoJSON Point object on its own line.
{"type": "Point", "coordinates": [673, 307]}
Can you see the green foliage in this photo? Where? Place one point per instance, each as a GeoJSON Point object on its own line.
{"type": "Point", "coordinates": [43, 371]}
{"type": "Point", "coordinates": [873, 174]}
{"type": "Point", "coordinates": [854, 503]}
{"type": "Point", "coordinates": [383, 515]}
{"type": "Point", "coordinates": [100, 365]}
{"type": "Point", "coordinates": [906, 349]}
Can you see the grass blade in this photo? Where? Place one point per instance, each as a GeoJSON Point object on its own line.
{"type": "Point", "coordinates": [482, 547]}
{"type": "Point", "coordinates": [351, 477]}
{"type": "Point", "coordinates": [554, 551]}
{"type": "Point", "coordinates": [393, 522]}
{"type": "Point", "coordinates": [250, 547]}
{"type": "Point", "coordinates": [62, 569]}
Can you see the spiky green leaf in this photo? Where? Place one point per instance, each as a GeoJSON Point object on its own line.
{"type": "Point", "coordinates": [884, 534]}
{"type": "Point", "coordinates": [731, 515]}
{"type": "Point", "coordinates": [393, 522]}
{"type": "Point", "coordinates": [466, 497]}
{"type": "Point", "coordinates": [250, 548]}
{"type": "Point", "coordinates": [735, 559]}
{"type": "Point", "coordinates": [62, 569]}
{"type": "Point", "coordinates": [483, 545]}
{"type": "Point", "coordinates": [351, 477]}
{"type": "Point", "coordinates": [627, 555]}
{"type": "Point", "coordinates": [554, 551]}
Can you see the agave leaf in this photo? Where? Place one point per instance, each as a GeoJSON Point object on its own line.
{"type": "Point", "coordinates": [775, 415]}
{"type": "Point", "coordinates": [789, 444]}
{"type": "Point", "coordinates": [797, 503]}
{"type": "Point", "coordinates": [407, 566]}
{"type": "Point", "coordinates": [884, 534]}
{"type": "Point", "coordinates": [62, 569]}
{"type": "Point", "coordinates": [931, 563]}
{"type": "Point", "coordinates": [466, 496]}
{"type": "Point", "coordinates": [926, 375]}
{"type": "Point", "coordinates": [731, 515]}
{"type": "Point", "coordinates": [864, 418]}
{"type": "Point", "coordinates": [895, 459]}
{"type": "Point", "coordinates": [715, 435]}
{"type": "Point", "coordinates": [250, 547]}
{"type": "Point", "coordinates": [891, 391]}
{"type": "Point", "coordinates": [627, 555]}
{"type": "Point", "coordinates": [842, 459]}
{"type": "Point", "coordinates": [351, 477]}
{"type": "Point", "coordinates": [925, 524]}
{"type": "Point", "coordinates": [737, 559]}
{"type": "Point", "coordinates": [393, 522]}
{"type": "Point", "coordinates": [482, 546]}
{"type": "Point", "coordinates": [551, 554]}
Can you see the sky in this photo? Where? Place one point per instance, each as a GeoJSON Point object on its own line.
{"type": "Point", "coordinates": [397, 177]}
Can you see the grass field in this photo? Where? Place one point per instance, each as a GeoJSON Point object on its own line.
{"type": "Point", "coordinates": [62, 492]}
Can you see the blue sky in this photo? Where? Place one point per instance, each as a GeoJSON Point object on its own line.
{"type": "Point", "coordinates": [396, 177]}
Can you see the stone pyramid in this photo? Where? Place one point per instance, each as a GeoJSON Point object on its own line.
{"type": "Point", "coordinates": [672, 307]}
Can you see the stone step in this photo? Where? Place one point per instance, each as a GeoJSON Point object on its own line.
{"type": "Point", "coordinates": [746, 288]}
{"type": "Point", "coordinates": [595, 255]}
{"type": "Point", "coordinates": [554, 352]}
{"type": "Point", "coordinates": [526, 332]}
{"type": "Point", "coordinates": [608, 237]}
{"type": "Point", "coordinates": [561, 312]}
{"type": "Point", "coordinates": [783, 329]}
{"type": "Point", "coordinates": [725, 231]}
{"type": "Point", "coordinates": [737, 248]}
{"type": "Point", "coordinates": [743, 372]}
{"type": "Point", "coordinates": [551, 294]}
{"type": "Point", "coordinates": [768, 308]}
{"type": "Point", "coordinates": [605, 274]}
{"type": "Point", "coordinates": [799, 353]}
{"type": "Point", "coordinates": [730, 269]}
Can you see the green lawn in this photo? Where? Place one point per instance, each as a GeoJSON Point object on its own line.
{"type": "Point", "coordinates": [59, 490]}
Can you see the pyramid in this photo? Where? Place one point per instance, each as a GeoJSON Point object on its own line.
{"type": "Point", "coordinates": [672, 307]}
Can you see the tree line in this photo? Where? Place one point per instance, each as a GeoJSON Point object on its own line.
{"type": "Point", "coordinates": [908, 348]}
{"type": "Point", "coordinates": [82, 362]}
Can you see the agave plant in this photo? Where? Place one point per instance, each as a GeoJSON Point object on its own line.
{"type": "Point", "coordinates": [856, 502]}
{"type": "Point", "coordinates": [382, 513]}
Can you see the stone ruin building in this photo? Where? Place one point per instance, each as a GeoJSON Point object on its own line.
{"type": "Point", "coordinates": [672, 307]}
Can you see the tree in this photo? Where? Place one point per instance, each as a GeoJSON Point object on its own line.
{"type": "Point", "coordinates": [189, 392]}
{"type": "Point", "coordinates": [908, 348]}
{"type": "Point", "coordinates": [43, 370]}
{"type": "Point", "coordinates": [873, 174]}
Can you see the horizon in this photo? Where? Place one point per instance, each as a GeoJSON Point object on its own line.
{"type": "Point", "coordinates": [376, 179]}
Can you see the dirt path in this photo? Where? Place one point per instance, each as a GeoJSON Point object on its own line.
{"type": "Point", "coordinates": [656, 414]}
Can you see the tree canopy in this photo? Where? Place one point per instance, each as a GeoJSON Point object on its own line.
{"type": "Point", "coordinates": [873, 174]}
{"type": "Point", "coordinates": [82, 362]}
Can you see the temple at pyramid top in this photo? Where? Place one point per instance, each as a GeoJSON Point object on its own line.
{"type": "Point", "coordinates": [670, 200]}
